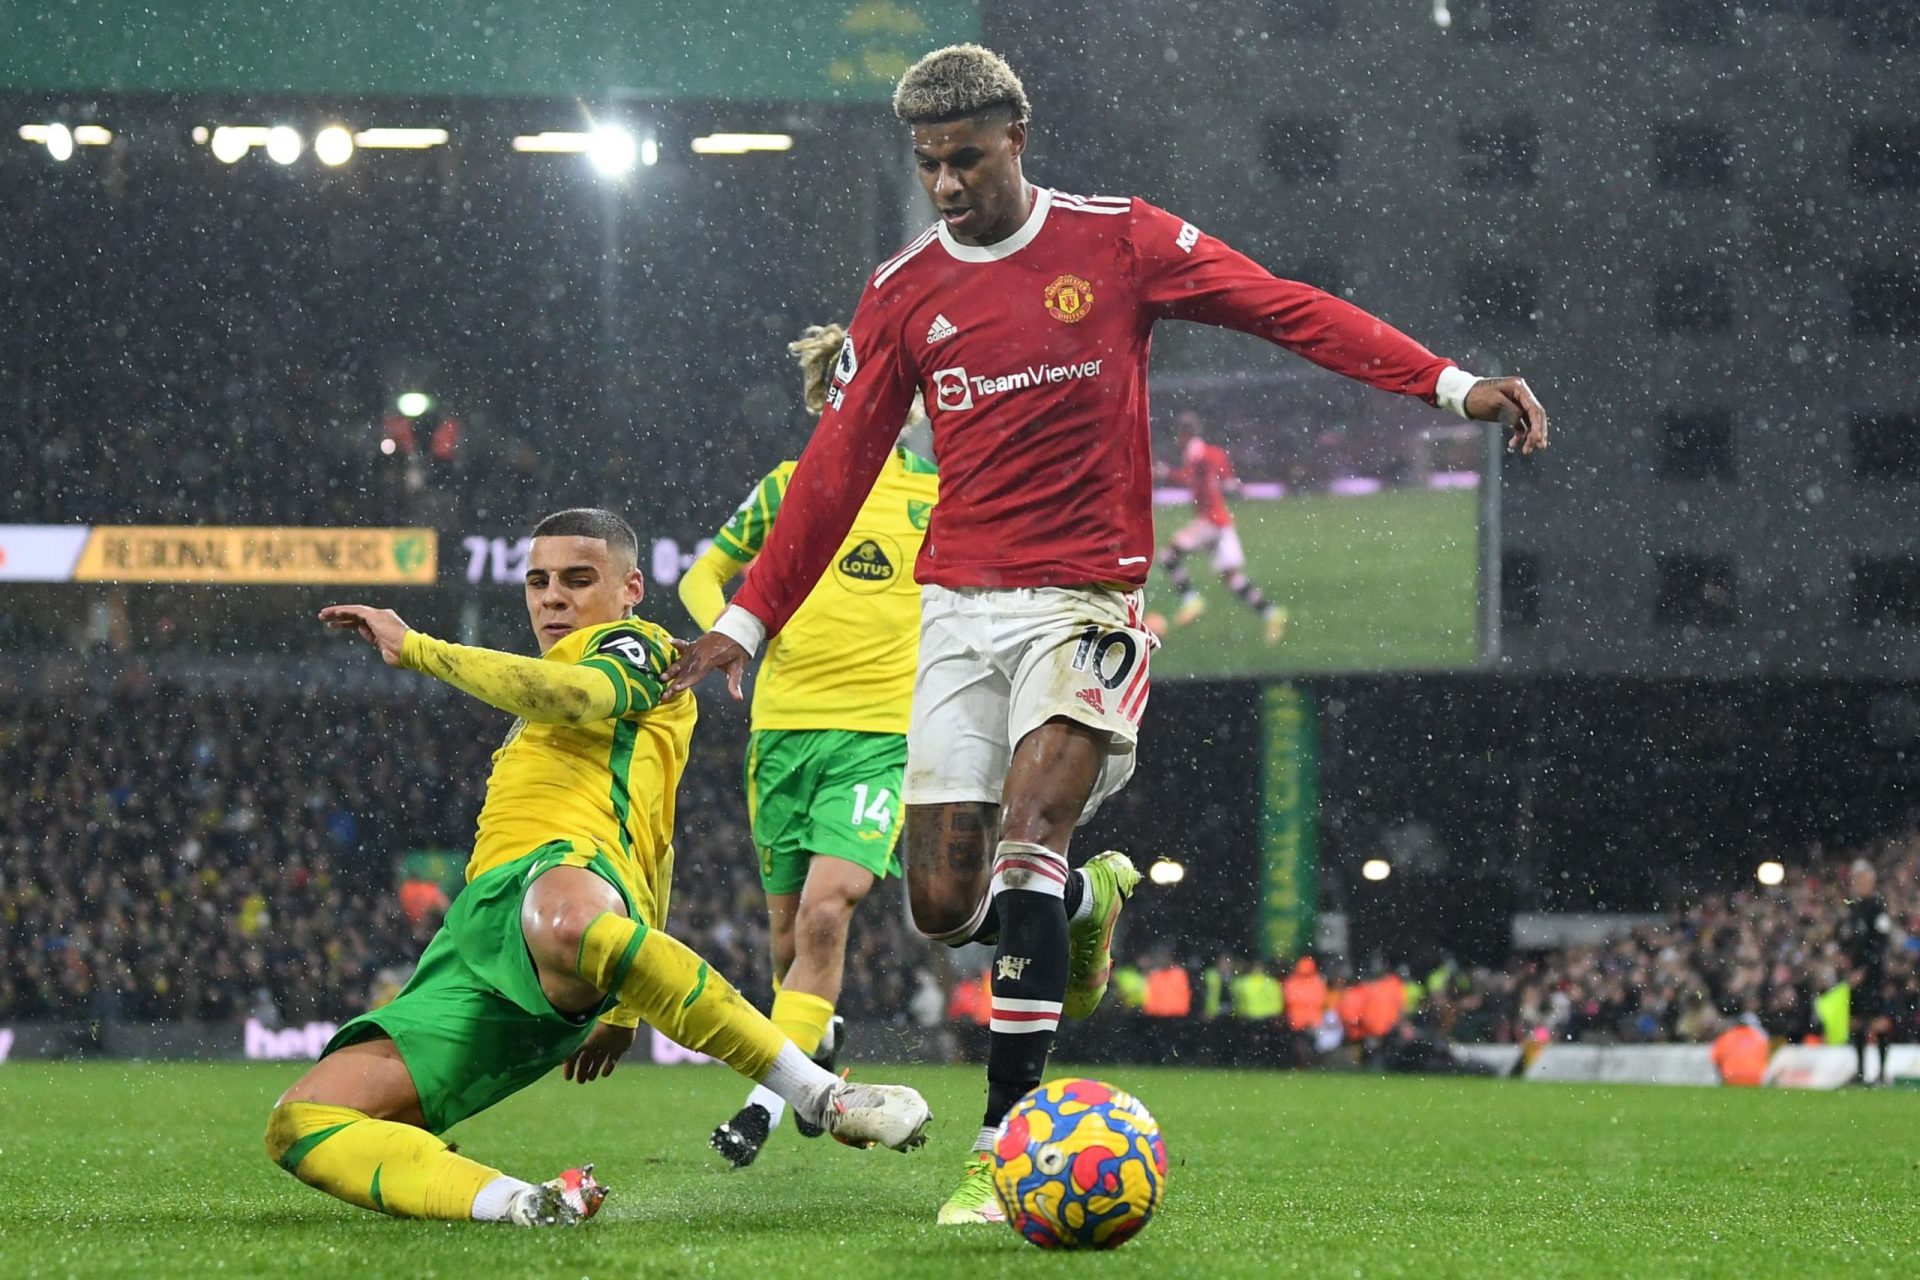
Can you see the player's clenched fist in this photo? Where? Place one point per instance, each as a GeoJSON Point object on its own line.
{"type": "Point", "coordinates": [381, 628]}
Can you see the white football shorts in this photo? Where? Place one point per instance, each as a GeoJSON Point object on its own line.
{"type": "Point", "coordinates": [997, 663]}
{"type": "Point", "coordinates": [1222, 539]}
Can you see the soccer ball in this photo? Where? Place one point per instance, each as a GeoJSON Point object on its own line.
{"type": "Point", "coordinates": [1079, 1165]}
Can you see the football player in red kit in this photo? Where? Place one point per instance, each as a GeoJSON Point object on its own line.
{"type": "Point", "coordinates": [1207, 471]}
{"type": "Point", "coordinates": [1024, 317]}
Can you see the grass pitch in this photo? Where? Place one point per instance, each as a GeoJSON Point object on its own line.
{"type": "Point", "coordinates": [158, 1171]}
{"type": "Point", "coordinates": [1383, 582]}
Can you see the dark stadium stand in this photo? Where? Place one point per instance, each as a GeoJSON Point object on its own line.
{"type": "Point", "coordinates": [168, 854]}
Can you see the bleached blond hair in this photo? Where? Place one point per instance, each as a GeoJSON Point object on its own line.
{"type": "Point", "coordinates": [818, 350]}
{"type": "Point", "coordinates": [817, 347]}
{"type": "Point", "coordinates": [957, 83]}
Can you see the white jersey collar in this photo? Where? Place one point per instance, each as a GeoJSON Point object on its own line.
{"type": "Point", "coordinates": [1042, 201]}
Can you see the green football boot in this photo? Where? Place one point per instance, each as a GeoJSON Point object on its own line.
{"type": "Point", "coordinates": [1110, 879]}
{"type": "Point", "coordinates": [973, 1200]}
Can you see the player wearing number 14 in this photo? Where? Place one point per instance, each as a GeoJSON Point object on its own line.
{"type": "Point", "coordinates": [829, 744]}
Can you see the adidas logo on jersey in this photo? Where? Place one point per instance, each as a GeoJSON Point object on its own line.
{"type": "Point", "coordinates": [940, 330]}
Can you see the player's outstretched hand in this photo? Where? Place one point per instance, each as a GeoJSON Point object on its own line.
{"type": "Point", "coordinates": [604, 1046]}
{"type": "Point", "coordinates": [711, 652]}
{"type": "Point", "coordinates": [1510, 401]}
{"type": "Point", "coordinates": [381, 628]}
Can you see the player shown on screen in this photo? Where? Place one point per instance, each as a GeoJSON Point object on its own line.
{"type": "Point", "coordinates": [554, 951]}
{"type": "Point", "coordinates": [829, 745]}
{"type": "Point", "coordinates": [1207, 471]}
{"type": "Point", "coordinates": [1023, 316]}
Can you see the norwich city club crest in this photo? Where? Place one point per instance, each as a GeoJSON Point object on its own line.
{"type": "Point", "coordinates": [869, 566]}
{"type": "Point", "coordinates": [918, 513]}
{"type": "Point", "coordinates": [1069, 298]}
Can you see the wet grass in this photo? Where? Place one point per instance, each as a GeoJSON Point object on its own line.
{"type": "Point", "coordinates": [1386, 581]}
{"type": "Point", "coordinates": [155, 1171]}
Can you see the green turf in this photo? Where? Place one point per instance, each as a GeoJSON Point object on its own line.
{"type": "Point", "coordinates": [1387, 581]}
{"type": "Point", "coordinates": [158, 1171]}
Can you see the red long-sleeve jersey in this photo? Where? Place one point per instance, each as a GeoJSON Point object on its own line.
{"type": "Point", "coordinates": [1032, 357]}
{"type": "Point", "coordinates": [1206, 470]}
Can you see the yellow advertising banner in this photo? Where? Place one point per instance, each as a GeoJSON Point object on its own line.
{"type": "Point", "coordinates": [286, 556]}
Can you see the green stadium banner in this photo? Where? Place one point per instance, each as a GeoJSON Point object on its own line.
{"type": "Point", "coordinates": [790, 51]}
{"type": "Point", "coordinates": [1289, 823]}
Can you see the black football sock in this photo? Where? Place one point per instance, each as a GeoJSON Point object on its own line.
{"type": "Point", "coordinates": [1170, 564]}
{"type": "Point", "coordinates": [1029, 975]}
{"type": "Point", "coordinates": [989, 930]}
{"type": "Point", "coordinates": [1242, 586]}
{"type": "Point", "coordinates": [1076, 893]}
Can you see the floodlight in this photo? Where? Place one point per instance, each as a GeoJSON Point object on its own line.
{"type": "Point", "coordinates": [283, 144]}
{"type": "Point", "coordinates": [613, 150]}
{"type": "Point", "coordinates": [227, 144]}
{"type": "Point", "coordinates": [333, 145]}
{"type": "Point", "coordinates": [738, 144]}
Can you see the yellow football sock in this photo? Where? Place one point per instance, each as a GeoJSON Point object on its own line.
{"type": "Point", "coordinates": [803, 1018]}
{"type": "Point", "coordinates": [677, 992]}
{"type": "Point", "coordinates": [390, 1168]}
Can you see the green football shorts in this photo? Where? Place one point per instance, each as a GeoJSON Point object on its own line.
{"type": "Point", "coordinates": [472, 1024]}
{"type": "Point", "coordinates": [824, 791]}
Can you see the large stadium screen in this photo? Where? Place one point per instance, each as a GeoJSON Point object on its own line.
{"type": "Point", "coordinates": [1316, 526]}
{"type": "Point", "coordinates": [1350, 533]}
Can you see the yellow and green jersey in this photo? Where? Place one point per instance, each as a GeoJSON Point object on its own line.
{"type": "Point", "coordinates": [612, 781]}
{"type": "Point", "coordinates": [847, 658]}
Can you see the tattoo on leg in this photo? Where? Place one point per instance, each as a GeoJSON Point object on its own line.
{"type": "Point", "coordinates": [967, 818]}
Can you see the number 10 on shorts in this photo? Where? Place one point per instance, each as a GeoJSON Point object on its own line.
{"type": "Point", "coordinates": [878, 811]}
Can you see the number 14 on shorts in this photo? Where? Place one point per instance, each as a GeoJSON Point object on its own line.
{"type": "Point", "coordinates": [878, 810]}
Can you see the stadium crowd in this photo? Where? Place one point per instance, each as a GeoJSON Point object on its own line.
{"type": "Point", "coordinates": [1773, 953]}
{"type": "Point", "coordinates": [210, 854]}
{"type": "Point", "coordinates": [205, 855]}
{"type": "Point", "coordinates": [1777, 955]}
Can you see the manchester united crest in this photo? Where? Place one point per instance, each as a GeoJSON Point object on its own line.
{"type": "Point", "coordinates": [1069, 298]}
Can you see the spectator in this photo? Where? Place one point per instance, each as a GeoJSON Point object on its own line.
{"type": "Point", "coordinates": [1213, 987]}
{"type": "Point", "coordinates": [1381, 1006]}
{"type": "Point", "coordinates": [1255, 995]}
{"type": "Point", "coordinates": [1740, 1053]}
{"type": "Point", "coordinates": [1130, 985]}
{"type": "Point", "coordinates": [1169, 989]}
{"type": "Point", "coordinates": [1304, 995]}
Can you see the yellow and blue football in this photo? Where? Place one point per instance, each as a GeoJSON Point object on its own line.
{"type": "Point", "coordinates": [1079, 1164]}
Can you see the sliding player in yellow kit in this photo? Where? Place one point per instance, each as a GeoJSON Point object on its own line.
{"type": "Point", "coordinates": [829, 745]}
{"type": "Point", "coordinates": [554, 951]}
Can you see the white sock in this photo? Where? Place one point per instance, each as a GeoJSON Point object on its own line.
{"type": "Point", "coordinates": [775, 1104]}
{"type": "Point", "coordinates": [988, 1132]}
{"type": "Point", "coordinates": [1085, 908]}
{"type": "Point", "coordinates": [797, 1078]}
{"type": "Point", "coordinates": [494, 1198]}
